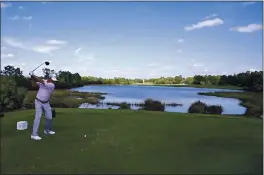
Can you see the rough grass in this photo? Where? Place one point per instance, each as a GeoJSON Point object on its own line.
{"type": "Point", "coordinates": [123, 141]}
{"type": "Point", "coordinates": [65, 98]}
{"type": "Point", "coordinates": [253, 101]}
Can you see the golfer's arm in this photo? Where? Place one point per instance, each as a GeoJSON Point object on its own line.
{"type": "Point", "coordinates": [33, 83]}
{"type": "Point", "coordinates": [37, 79]}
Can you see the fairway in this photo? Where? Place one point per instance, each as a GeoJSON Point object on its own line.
{"type": "Point", "coordinates": [125, 141]}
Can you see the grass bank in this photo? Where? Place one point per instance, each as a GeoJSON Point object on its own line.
{"type": "Point", "coordinates": [253, 101]}
{"type": "Point", "coordinates": [121, 141]}
{"type": "Point", "coordinates": [65, 98]}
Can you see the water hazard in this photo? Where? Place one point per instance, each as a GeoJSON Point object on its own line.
{"type": "Point", "coordinates": [181, 95]}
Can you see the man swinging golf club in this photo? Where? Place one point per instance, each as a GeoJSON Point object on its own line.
{"type": "Point", "coordinates": [46, 87]}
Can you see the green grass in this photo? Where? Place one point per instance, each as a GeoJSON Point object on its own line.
{"type": "Point", "coordinates": [121, 141]}
{"type": "Point", "coordinates": [253, 101]}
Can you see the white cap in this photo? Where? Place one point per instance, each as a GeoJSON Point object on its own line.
{"type": "Point", "coordinates": [54, 79]}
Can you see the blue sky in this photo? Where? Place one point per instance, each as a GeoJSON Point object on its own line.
{"type": "Point", "coordinates": [133, 39]}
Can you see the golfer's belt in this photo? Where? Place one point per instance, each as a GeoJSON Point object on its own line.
{"type": "Point", "coordinates": [42, 101]}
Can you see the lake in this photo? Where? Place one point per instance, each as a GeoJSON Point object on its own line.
{"type": "Point", "coordinates": [181, 95]}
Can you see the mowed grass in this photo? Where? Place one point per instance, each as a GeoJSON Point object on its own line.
{"type": "Point", "coordinates": [124, 141]}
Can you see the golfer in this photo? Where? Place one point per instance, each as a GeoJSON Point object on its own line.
{"type": "Point", "coordinates": [46, 87]}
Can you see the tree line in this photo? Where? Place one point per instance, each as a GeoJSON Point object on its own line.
{"type": "Point", "coordinates": [252, 81]}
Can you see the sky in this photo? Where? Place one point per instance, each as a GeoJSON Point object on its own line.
{"type": "Point", "coordinates": [133, 39]}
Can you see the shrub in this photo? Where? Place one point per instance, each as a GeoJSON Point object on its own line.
{"type": "Point", "coordinates": [92, 100]}
{"type": "Point", "coordinates": [153, 105]}
{"type": "Point", "coordinates": [21, 94]}
{"type": "Point", "coordinates": [214, 109]}
{"type": "Point", "coordinates": [197, 107]}
{"type": "Point", "coordinates": [254, 111]}
{"type": "Point", "coordinates": [28, 103]}
{"type": "Point", "coordinates": [57, 102]}
{"type": "Point", "coordinates": [60, 93]}
{"type": "Point", "coordinates": [70, 102]}
{"type": "Point", "coordinates": [124, 106]}
{"type": "Point", "coordinates": [11, 96]}
{"type": "Point", "coordinates": [62, 99]}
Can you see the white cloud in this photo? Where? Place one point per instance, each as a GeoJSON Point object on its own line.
{"type": "Point", "coordinates": [247, 29]}
{"type": "Point", "coordinates": [9, 55]}
{"type": "Point", "coordinates": [181, 40]}
{"type": "Point", "coordinates": [253, 70]}
{"type": "Point", "coordinates": [205, 23]}
{"type": "Point", "coordinates": [56, 42]}
{"type": "Point", "coordinates": [45, 49]}
{"type": "Point", "coordinates": [248, 3]}
{"type": "Point", "coordinates": [77, 51]}
{"type": "Point", "coordinates": [15, 17]}
{"type": "Point", "coordinates": [211, 16]}
{"type": "Point", "coordinates": [25, 18]}
{"type": "Point", "coordinates": [205, 70]}
{"type": "Point", "coordinates": [20, 7]}
{"type": "Point", "coordinates": [29, 46]}
{"type": "Point", "coordinates": [14, 43]}
{"type": "Point", "coordinates": [198, 65]}
{"type": "Point", "coordinates": [5, 5]}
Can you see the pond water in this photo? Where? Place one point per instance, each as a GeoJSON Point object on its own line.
{"type": "Point", "coordinates": [181, 95]}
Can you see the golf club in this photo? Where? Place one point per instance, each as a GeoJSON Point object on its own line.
{"type": "Point", "coordinates": [46, 62]}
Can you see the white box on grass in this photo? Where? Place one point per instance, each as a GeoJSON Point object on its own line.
{"type": "Point", "coordinates": [22, 125]}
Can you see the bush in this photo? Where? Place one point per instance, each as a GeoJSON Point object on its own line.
{"type": "Point", "coordinates": [12, 97]}
{"type": "Point", "coordinates": [70, 102]}
{"type": "Point", "coordinates": [254, 111]}
{"type": "Point", "coordinates": [21, 94]}
{"type": "Point", "coordinates": [92, 100]}
{"type": "Point", "coordinates": [62, 99]}
{"type": "Point", "coordinates": [153, 105]}
{"type": "Point", "coordinates": [214, 109]}
{"type": "Point", "coordinates": [56, 102]}
{"type": "Point", "coordinates": [197, 107]}
{"type": "Point", "coordinates": [29, 100]}
{"type": "Point", "coordinates": [66, 102]}
{"type": "Point", "coordinates": [124, 106]}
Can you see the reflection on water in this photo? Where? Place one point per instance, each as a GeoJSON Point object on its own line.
{"type": "Point", "coordinates": [182, 95]}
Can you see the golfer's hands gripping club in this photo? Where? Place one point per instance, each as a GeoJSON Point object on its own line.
{"type": "Point", "coordinates": [31, 73]}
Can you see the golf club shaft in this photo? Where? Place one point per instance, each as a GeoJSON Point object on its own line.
{"type": "Point", "coordinates": [37, 67]}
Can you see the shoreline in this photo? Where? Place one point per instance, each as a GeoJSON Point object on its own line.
{"type": "Point", "coordinates": [71, 98]}
{"type": "Point", "coordinates": [194, 86]}
{"type": "Point", "coordinates": [172, 85]}
{"type": "Point", "coordinates": [252, 101]}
